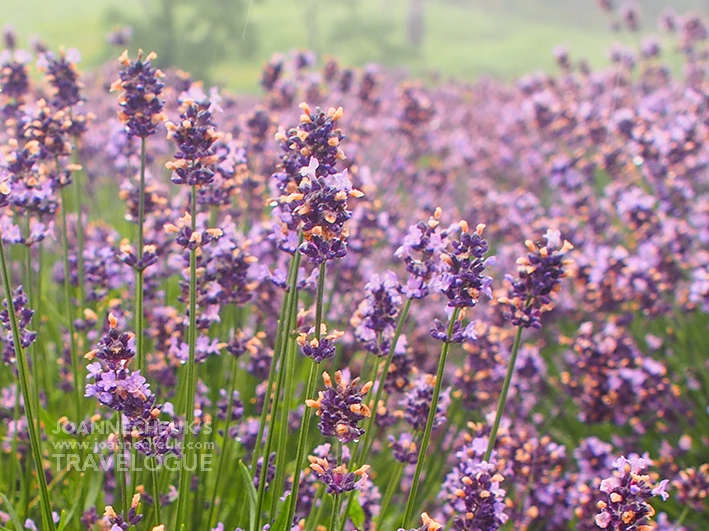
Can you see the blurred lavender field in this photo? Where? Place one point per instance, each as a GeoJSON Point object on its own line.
{"type": "Point", "coordinates": [462, 38]}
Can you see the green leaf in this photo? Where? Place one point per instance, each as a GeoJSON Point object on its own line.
{"type": "Point", "coordinates": [11, 511]}
{"type": "Point", "coordinates": [281, 523]}
{"type": "Point", "coordinates": [94, 489]}
{"type": "Point", "coordinates": [63, 520]}
{"type": "Point", "coordinates": [357, 513]}
{"type": "Point", "coordinates": [250, 493]}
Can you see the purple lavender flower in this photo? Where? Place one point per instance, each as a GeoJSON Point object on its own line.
{"type": "Point", "coordinates": [417, 403]}
{"type": "Point", "coordinates": [14, 80]}
{"type": "Point", "coordinates": [121, 522]}
{"type": "Point", "coordinates": [340, 408]}
{"type": "Point", "coordinates": [194, 136]}
{"type": "Point", "coordinates": [421, 251]}
{"type": "Point", "coordinates": [404, 448]}
{"type": "Point", "coordinates": [625, 503]}
{"type": "Point", "coordinates": [188, 238]}
{"type": "Point", "coordinates": [692, 487]}
{"type": "Point", "coordinates": [476, 501]}
{"type": "Point", "coordinates": [375, 319]}
{"type": "Point", "coordinates": [319, 348]}
{"type": "Point", "coordinates": [338, 480]}
{"type": "Point", "coordinates": [24, 317]}
{"type": "Point", "coordinates": [539, 275]}
{"type": "Point", "coordinates": [63, 77]}
{"type": "Point", "coordinates": [140, 103]}
{"type": "Point", "coordinates": [52, 129]}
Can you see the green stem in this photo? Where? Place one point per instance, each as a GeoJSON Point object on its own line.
{"type": "Point", "coordinates": [24, 380]}
{"type": "Point", "coordinates": [287, 395]}
{"type": "Point", "coordinates": [139, 276]}
{"type": "Point", "coordinates": [185, 476]}
{"type": "Point", "coordinates": [391, 489]}
{"type": "Point", "coordinates": [70, 310]}
{"type": "Point", "coordinates": [122, 474]}
{"type": "Point", "coordinates": [309, 392]}
{"type": "Point", "coordinates": [79, 228]}
{"type": "Point", "coordinates": [334, 521]}
{"type": "Point", "coordinates": [225, 442]}
{"type": "Point", "coordinates": [503, 394]}
{"type": "Point", "coordinates": [32, 350]}
{"type": "Point", "coordinates": [302, 440]}
{"type": "Point", "coordinates": [314, 516]}
{"type": "Point", "coordinates": [682, 516]}
{"type": "Point", "coordinates": [292, 302]}
{"type": "Point", "coordinates": [14, 461]}
{"type": "Point", "coordinates": [280, 339]}
{"type": "Point", "coordinates": [429, 422]}
{"type": "Point", "coordinates": [156, 490]}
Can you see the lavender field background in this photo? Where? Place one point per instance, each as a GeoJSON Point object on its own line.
{"type": "Point", "coordinates": [354, 266]}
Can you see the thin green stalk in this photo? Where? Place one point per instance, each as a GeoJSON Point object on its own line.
{"type": "Point", "coordinates": [682, 516]}
{"type": "Point", "coordinates": [335, 524]}
{"type": "Point", "coordinates": [292, 301]}
{"type": "Point", "coordinates": [185, 476]}
{"type": "Point", "coordinates": [280, 339]}
{"type": "Point", "coordinates": [46, 372]}
{"type": "Point", "coordinates": [394, 484]}
{"type": "Point", "coordinates": [429, 422]}
{"type": "Point", "coordinates": [281, 457]}
{"type": "Point", "coordinates": [156, 491]}
{"type": "Point", "coordinates": [122, 474]}
{"type": "Point", "coordinates": [70, 310]}
{"type": "Point", "coordinates": [139, 276]}
{"type": "Point", "coordinates": [225, 443]}
{"type": "Point", "coordinates": [24, 380]}
{"type": "Point", "coordinates": [309, 391]}
{"type": "Point", "coordinates": [503, 394]}
{"type": "Point", "coordinates": [14, 462]}
{"type": "Point", "coordinates": [314, 516]}
{"type": "Point", "coordinates": [29, 285]}
{"type": "Point", "coordinates": [334, 520]}
{"type": "Point", "coordinates": [302, 440]}
{"type": "Point", "coordinates": [79, 229]}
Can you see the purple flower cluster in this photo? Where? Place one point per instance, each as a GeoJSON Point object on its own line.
{"type": "Point", "coordinates": [375, 318]}
{"type": "Point", "coordinates": [337, 479]}
{"type": "Point", "coordinates": [313, 194]}
{"type": "Point", "coordinates": [417, 403]}
{"type": "Point", "coordinates": [341, 408]}
{"type": "Point", "coordinates": [140, 103]}
{"type": "Point", "coordinates": [624, 505]}
{"type": "Point", "coordinates": [475, 499]}
{"type": "Point", "coordinates": [116, 386]}
{"type": "Point", "coordinates": [63, 77]}
{"type": "Point", "coordinates": [24, 318]}
{"type": "Point", "coordinates": [194, 135]}
{"type": "Point", "coordinates": [539, 275]}
{"type": "Point", "coordinates": [322, 347]}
